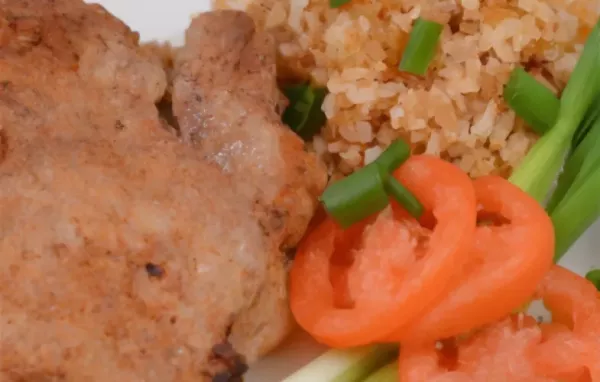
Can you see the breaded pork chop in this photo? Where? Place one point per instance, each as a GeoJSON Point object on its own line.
{"type": "Point", "coordinates": [227, 103]}
{"type": "Point", "coordinates": [125, 254]}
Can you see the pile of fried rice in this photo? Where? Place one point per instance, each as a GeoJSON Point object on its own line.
{"type": "Point", "coordinates": [457, 110]}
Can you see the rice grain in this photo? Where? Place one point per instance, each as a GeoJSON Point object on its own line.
{"type": "Point", "coordinates": [456, 110]}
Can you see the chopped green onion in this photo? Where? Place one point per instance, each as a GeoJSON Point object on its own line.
{"type": "Point", "coordinates": [349, 365]}
{"type": "Point", "coordinates": [594, 277]}
{"type": "Point", "coordinates": [404, 197]}
{"type": "Point", "coordinates": [540, 167]}
{"type": "Point", "coordinates": [357, 196]}
{"type": "Point", "coordinates": [338, 3]}
{"type": "Point", "coordinates": [388, 373]}
{"type": "Point", "coordinates": [396, 154]}
{"type": "Point", "coordinates": [531, 100]}
{"type": "Point", "coordinates": [365, 192]}
{"type": "Point", "coordinates": [421, 47]}
{"type": "Point", "coordinates": [304, 114]}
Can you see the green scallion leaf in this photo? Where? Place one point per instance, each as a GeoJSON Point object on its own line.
{"type": "Point", "coordinates": [396, 154]}
{"type": "Point", "coordinates": [594, 277]}
{"type": "Point", "coordinates": [575, 213]}
{"type": "Point", "coordinates": [578, 163]}
{"type": "Point", "coordinates": [531, 100]}
{"type": "Point", "coordinates": [338, 3]}
{"type": "Point", "coordinates": [304, 114]}
{"type": "Point", "coordinates": [357, 196]}
{"type": "Point", "coordinates": [592, 115]}
{"type": "Point", "coordinates": [404, 197]}
{"type": "Point", "coordinates": [538, 170]}
{"type": "Point", "coordinates": [421, 47]}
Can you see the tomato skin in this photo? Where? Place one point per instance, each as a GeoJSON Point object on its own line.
{"type": "Point", "coordinates": [571, 347]}
{"type": "Point", "coordinates": [507, 263]}
{"type": "Point", "coordinates": [393, 277]}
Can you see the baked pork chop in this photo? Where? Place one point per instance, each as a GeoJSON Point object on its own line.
{"type": "Point", "coordinates": [126, 254]}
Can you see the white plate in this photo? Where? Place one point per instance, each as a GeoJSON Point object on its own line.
{"type": "Point", "coordinates": [166, 20]}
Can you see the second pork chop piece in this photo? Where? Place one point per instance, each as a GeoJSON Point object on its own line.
{"type": "Point", "coordinates": [124, 254]}
{"type": "Point", "coordinates": [227, 103]}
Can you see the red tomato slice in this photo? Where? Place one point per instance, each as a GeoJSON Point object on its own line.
{"type": "Point", "coordinates": [496, 353]}
{"type": "Point", "coordinates": [395, 270]}
{"type": "Point", "coordinates": [508, 260]}
{"type": "Point", "coordinates": [573, 348]}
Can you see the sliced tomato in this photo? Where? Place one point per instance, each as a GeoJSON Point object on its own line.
{"type": "Point", "coordinates": [496, 353]}
{"type": "Point", "coordinates": [511, 253]}
{"type": "Point", "coordinates": [572, 345]}
{"type": "Point", "coordinates": [394, 267]}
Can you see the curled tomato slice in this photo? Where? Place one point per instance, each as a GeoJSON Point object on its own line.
{"type": "Point", "coordinates": [572, 346]}
{"type": "Point", "coordinates": [391, 268]}
{"type": "Point", "coordinates": [511, 252]}
{"type": "Point", "coordinates": [496, 353]}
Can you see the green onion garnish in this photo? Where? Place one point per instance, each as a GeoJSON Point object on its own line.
{"type": "Point", "coordinates": [348, 365]}
{"type": "Point", "coordinates": [304, 114]}
{"type": "Point", "coordinates": [575, 214]}
{"type": "Point", "coordinates": [591, 116]}
{"type": "Point", "coordinates": [581, 154]}
{"type": "Point", "coordinates": [538, 170]}
{"type": "Point", "coordinates": [367, 191]}
{"type": "Point", "coordinates": [421, 47]}
{"type": "Point", "coordinates": [594, 277]}
{"type": "Point", "coordinates": [404, 197]}
{"type": "Point", "coordinates": [357, 196]}
{"type": "Point", "coordinates": [396, 154]}
{"type": "Point", "coordinates": [531, 100]}
{"type": "Point", "coordinates": [338, 3]}
{"type": "Point", "coordinates": [573, 207]}
{"type": "Point", "coordinates": [388, 373]}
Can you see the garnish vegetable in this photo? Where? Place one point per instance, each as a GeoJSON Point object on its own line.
{"type": "Point", "coordinates": [365, 192]}
{"type": "Point", "coordinates": [572, 346]}
{"type": "Point", "coordinates": [304, 115]}
{"type": "Point", "coordinates": [387, 290]}
{"type": "Point", "coordinates": [349, 365]}
{"type": "Point", "coordinates": [421, 47]}
{"type": "Point", "coordinates": [594, 277]}
{"type": "Point", "coordinates": [540, 167]}
{"type": "Point", "coordinates": [573, 300]}
{"type": "Point", "coordinates": [531, 100]}
{"type": "Point", "coordinates": [503, 270]}
{"type": "Point", "coordinates": [338, 3]}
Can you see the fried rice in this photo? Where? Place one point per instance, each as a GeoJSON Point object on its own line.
{"type": "Point", "coordinates": [457, 110]}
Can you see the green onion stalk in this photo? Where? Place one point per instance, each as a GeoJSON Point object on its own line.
{"type": "Point", "coordinates": [594, 277]}
{"type": "Point", "coordinates": [348, 365]}
{"type": "Point", "coordinates": [540, 167]}
{"type": "Point", "coordinates": [571, 137]}
{"type": "Point", "coordinates": [575, 204]}
{"type": "Point", "coordinates": [388, 373]}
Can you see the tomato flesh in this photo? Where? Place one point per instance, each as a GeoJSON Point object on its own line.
{"type": "Point", "coordinates": [496, 353]}
{"type": "Point", "coordinates": [572, 346]}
